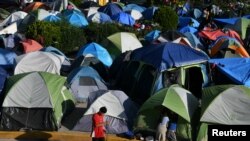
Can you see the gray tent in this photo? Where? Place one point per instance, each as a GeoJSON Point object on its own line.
{"type": "Point", "coordinates": [84, 80]}
{"type": "Point", "coordinates": [120, 111]}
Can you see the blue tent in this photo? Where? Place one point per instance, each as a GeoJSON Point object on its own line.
{"type": "Point", "coordinates": [76, 18]}
{"type": "Point", "coordinates": [185, 21]}
{"type": "Point", "coordinates": [100, 17]}
{"type": "Point", "coordinates": [132, 6]}
{"type": "Point", "coordinates": [3, 76]}
{"type": "Point", "coordinates": [98, 51]}
{"type": "Point", "coordinates": [169, 55]}
{"type": "Point", "coordinates": [246, 16]}
{"type": "Point", "coordinates": [124, 18]}
{"type": "Point", "coordinates": [110, 9]}
{"type": "Point", "coordinates": [149, 12]}
{"type": "Point", "coordinates": [195, 42]}
{"type": "Point", "coordinates": [52, 18]}
{"type": "Point", "coordinates": [152, 35]}
{"type": "Point", "coordinates": [237, 69]}
{"type": "Point", "coordinates": [231, 21]}
{"type": "Point", "coordinates": [188, 29]}
{"type": "Point", "coordinates": [7, 58]}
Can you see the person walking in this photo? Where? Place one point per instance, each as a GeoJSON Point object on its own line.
{"type": "Point", "coordinates": [98, 125]}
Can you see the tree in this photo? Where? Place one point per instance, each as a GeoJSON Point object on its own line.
{"type": "Point", "coordinates": [166, 17]}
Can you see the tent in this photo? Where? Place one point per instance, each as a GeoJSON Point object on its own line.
{"type": "Point", "coordinates": [37, 95]}
{"type": "Point", "coordinates": [120, 111]}
{"type": "Point", "coordinates": [99, 17]}
{"type": "Point", "coordinates": [170, 35]}
{"type": "Point", "coordinates": [188, 29]}
{"type": "Point", "coordinates": [14, 17]}
{"type": "Point", "coordinates": [93, 10]}
{"type": "Point", "coordinates": [235, 69]}
{"type": "Point", "coordinates": [110, 9]}
{"type": "Point", "coordinates": [84, 80]}
{"type": "Point", "coordinates": [52, 18]}
{"type": "Point", "coordinates": [240, 26]}
{"type": "Point", "coordinates": [98, 51]}
{"type": "Point", "coordinates": [152, 35]}
{"type": "Point", "coordinates": [7, 58]}
{"type": "Point", "coordinates": [227, 47]}
{"type": "Point", "coordinates": [76, 18]}
{"type": "Point", "coordinates": [66, 63]}
{"type": "Point", "coordinates": [36, 5]}
{"type": "Point", "coordinates": [169, 55]}
{"type": "Point", "coordinates": [185, 21]}
{"type": "Point", "coordinates": [30, 45]}
{"type": "Point", "coordinates": [135, 14]}
{"type": "Point", "coordinates": [194, 41]}
{"type": "Point", "coordinates": [124, 18]}
{"type": "Point", "coordinates": [11, 29]}
{"type": "Point", "coordinates": [39, 61]}
{"type": "Point", "coordinates": [177, 100]}
{"type": "Point", "coordinates": [123, 41]}
{"type": "Point", "coordinates": [224, 105]}
{"type": "Point", "coordinates": [149, 12]}
{"type": "Point", "coordinates": [131, 6]}
{"type": "Point", "coordinates": [92, 61]}
{"type": "Point", "coordinates": [3, 77]}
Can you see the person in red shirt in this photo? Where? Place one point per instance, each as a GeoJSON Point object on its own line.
{"type": "Point", "coordinates": [98, 124]}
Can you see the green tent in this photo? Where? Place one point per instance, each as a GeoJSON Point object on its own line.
{"type": "Point", "coordinates": [176, 99]}
{"type": "Point", "coordinates": [226, 105]}
{"type": "Point", "coordinates": [240, 26]}
{"type": "Point", "coordinates": [122, 42]}
{"type": "Point", "coordinates": [36, 100]}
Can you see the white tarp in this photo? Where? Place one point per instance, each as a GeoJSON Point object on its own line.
{"type": "Point", "coordinates": [11, 29]}
{"type": "Point", "coordinates": [14, 17]}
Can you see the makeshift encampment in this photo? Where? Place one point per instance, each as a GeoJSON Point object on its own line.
{"type": "Point", "coordinates": [75, 18]}
{"type": "Point", "coordinates": [177, 100]}
{"type": "Point", "coordinates": [224, 105]}
{"type": "Point", "coordinates": [121, 111]}
{"type": "Point", "coordinates": [48, 62]}
{"type": "Point", "coordinates": [35, 101]}
{"type": "Point", "coordinates": [98, 51]}
{"type": "Point", "coordinates": [84, 80]}
{"type": "Point", "coordinates": [110, 9]}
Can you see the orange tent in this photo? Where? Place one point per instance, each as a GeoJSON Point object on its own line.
{"type": "Point", "coordinates": [35, 5]}
{"type": "Point", "coordinates": [30, 45]}
{"type": "Point", "coordinates": [230, 47]}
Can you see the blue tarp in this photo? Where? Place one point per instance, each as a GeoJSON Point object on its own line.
{"type": "Point", "coordinates": [169, 55]}
{"type": "Point", "coordinates": [237, 69]}
{"type": "Point", "coordinates": [185, 21]}
{"type": "Point", "coordinates": [152, 35]}
{"type": "Point", "coordinates": [7, 58]}
{"type": "Point", "coordinates": [98, 51]}
{"type": "Point", "coordinates": [124, 18]}
{"type": "Point", "coordinates": [130, 7]}
{"type": "Point", "coordinates": [110, 9]}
